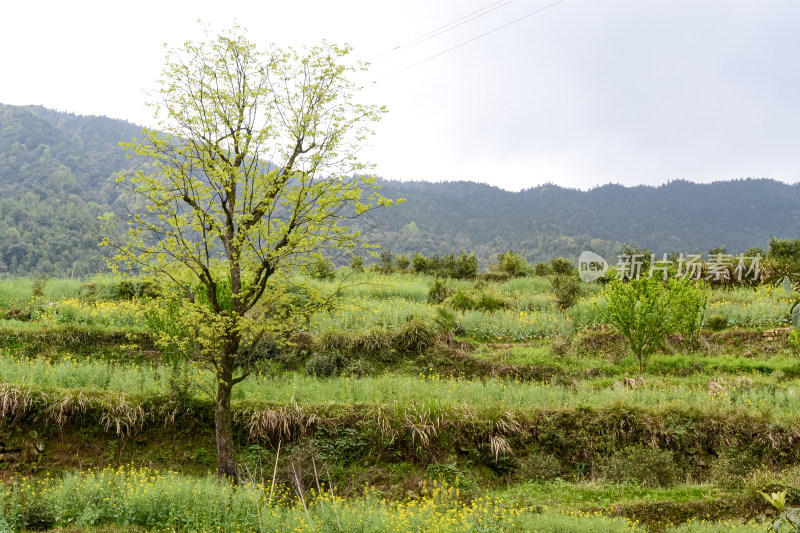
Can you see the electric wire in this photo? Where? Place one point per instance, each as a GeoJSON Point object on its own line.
{"type": "Point", "coordinates": [447, 27]}
{"type": "Point", "coordinates": [468, 41]}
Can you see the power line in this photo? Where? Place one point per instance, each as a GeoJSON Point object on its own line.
{"type": "Point", "coordinates": [447, 27]}
{"type": "Point", "coordinates": [470, 40]}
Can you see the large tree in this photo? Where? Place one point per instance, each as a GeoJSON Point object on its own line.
{"type": "Point", "coordinates": [253, 175]}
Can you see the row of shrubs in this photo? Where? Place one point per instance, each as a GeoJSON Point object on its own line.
{"type": "Point", "coordinates": [333, 353]}
{"type": "Point", "coordinates": [642, 465]}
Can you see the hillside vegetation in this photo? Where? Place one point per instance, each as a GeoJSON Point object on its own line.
{"type": "Point", "coordinates": [400, 410]}
{"type": "Point", "coordinates": [57, 175]}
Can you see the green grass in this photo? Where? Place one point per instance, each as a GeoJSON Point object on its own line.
{"type": "Point", "coordinates": [75, 348]}
{"type": "Point", "coordinates": [152, 499]}
{"type": "Point", "coordinates": [424, 391]}
{"type": "Point", "coordinates": [584, 493]}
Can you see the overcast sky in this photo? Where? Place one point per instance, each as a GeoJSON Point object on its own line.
{"type": "Point", "coordinates": [580, 94]}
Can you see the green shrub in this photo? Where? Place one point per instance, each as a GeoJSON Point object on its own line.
{"type": "Point", "coordinates": [323, 270]}
{"type": "Point", "coordinates": [359, 368]}
{"type": "Point", "coordinates": [325, 365]}
{"type": "Point", "coordinates": [560, 345]}
{"type": "Point", "coordinates": [370, 343]}
{"type": "Point", "coordinates": [449, 473]}
{"type": "Point", "coordinates": [567, 289]}
{"type": "Point", "coordinates": [538, 467]}
{"type": "Point", "coordinates": [562, 265]}
{"type": "Point", "coordinates": [794, 340]}
{"type": "Point", "coordinates": [461, 301]}
{"type": "Point", "coordinates": [357, 263]}
{"type": "Point", "coordinates": [732, 467]}
{"type": "Point", "coordinates": [414, 337]}
{"type": "Point", "coordinates": [717, 322]}
{"type": "Point", "coordinates": [647, 310]}
{"type": "Point", "coordinates": [37, 516]}
{"type": "Point", "coordinates": [385, 264]}
{"type": "Point", "coordinates": [438, 292]}
{"type": "Point", "coordinates": [39, 284]}
{"type": "Point", "coordinates": [650, 467]}
{"type": "Point", "coordinates": [511, 264]}
{"type": "Point", "coordinates": [402, 262]}
{"type": "Point", "coordinates": [466, 266]}
{"type": "Point", "coordinates": [490, 302]}
{"type": "Point", "coordinates": [687, 302]}
{"type": "Point", "coordinates": [542, 269]}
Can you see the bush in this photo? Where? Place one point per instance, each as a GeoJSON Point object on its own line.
{"type": "Point", "coordinates": [323, 270]}
{"type": "Point", "coordinates": [560, 345]}
{"type": "Point", "coordinates": [538, 467]}
{"type": "Point", "coordinates": [542, 269]}
{"type": "Point", "coordinates": [794, 340]}
{"type": "Point", "coordinates": [647, 310]}
{"type": "Point", "coordinates": [402, 262]}
{"type": "Point", "coordinates": [461, 301]}
{"type": "Point", "coordinates": [438, 292]}
{"type": "Point", "coordinates": [646, 466]}
{"type": "Point", "coordinates": [490, 302]}
{"type": "Point", "coordinates": [39, 284]}
{"type": "Point", "coordinates": [359, 368]}
{"type": "Point", "coordinates": [466, 266]}
{"type": "Point", "coordinates": [562, 265]}
{"type": "Point", "coordinates": [511, 264]}
{"type": "Point", "coordinates": [414, 337]}
{"type": "Point", "coordinates": [37, 516]}
{"type": "Point", "coordinates": [420, 263]}
{"type": "Point", "coordinates": [357, 263]}
{"type": "Point", "coordinates": [567, 289]}
{"type": "Point", "coordinates": [325, 365]}
{"type": "Point", "coordinates": [385, 264]}
{"type": "Point", "coordinates": [732, 467]}
{"type": "Point", "coordinates": [717, 322]}
{"type": "Point", "coordinates": [687, 303]}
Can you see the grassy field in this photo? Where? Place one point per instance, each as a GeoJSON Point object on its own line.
{"type": "Point", "coordinates": [524, 418]}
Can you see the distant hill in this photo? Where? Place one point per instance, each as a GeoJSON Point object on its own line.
{"type": "Point", "coordinates": [57, 175]}
{"type": "Point", "coordinates": [548, 221]}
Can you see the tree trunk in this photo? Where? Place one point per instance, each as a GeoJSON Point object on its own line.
{"type": "Point", "coordinates": [226, 452]}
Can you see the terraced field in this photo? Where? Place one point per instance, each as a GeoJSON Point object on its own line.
{"type": "Point", "coordinates": [392, 413]}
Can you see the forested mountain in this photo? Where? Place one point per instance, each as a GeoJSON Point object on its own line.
{"type": "Point", "coordinates": [57, 175]}
{"type": "Point", "coordinates": [547, 221]}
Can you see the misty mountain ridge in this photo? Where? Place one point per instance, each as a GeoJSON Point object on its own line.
{"type": "Point", "coordinates": [57, 174]}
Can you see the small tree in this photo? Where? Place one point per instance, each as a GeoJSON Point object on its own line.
{"type": "Point", "coordinates": [357, 263]}
{"type": "Point", "coordinates": [402, 262]}
{"type": "Point", "coordinates": [562, 265]}
{"type": "Point", "coordinates": [567, 289]}
{"type": "Point", "coordinates": [647, 310]}
{"type": "Point", "coordinates": [385, 263]}
{"type": "Point", "coordinates": [420, 263]}
{"type": "Point", "coordinates": [688, 304]}
{"type": "Point", "coordinates": [255, 176]}
{"type": "Point", "coordinates": [512, 264]}
{"type": "Point", "coordinates": [466, 266]}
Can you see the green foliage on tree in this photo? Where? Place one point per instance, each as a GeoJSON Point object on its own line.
{"type": "Point", "coordinates": [465, 266]}
{"type": "Point", "coordinates": [562, 265]}
{"type": "Point", "coordinates": [688, 304]}
{"type": "Point", "coordinates": [542, 269]}
{"type": "Point", "coordinates": [647, 310]}
{"type": "Point", "coordinates": [357, 263]}
{"type": "Point", "coordinates": [567, 288]}
{"type": "Point", "coordinates": [438, 291]}
{"type": "Point", "coordinates": [511, 264]}
{"type": "Point", "coordinates": [402, 262]}
{"type": "Point", "coordinates": [254, 176]}
{"type": "Point", "coordinates": [385, 264]}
